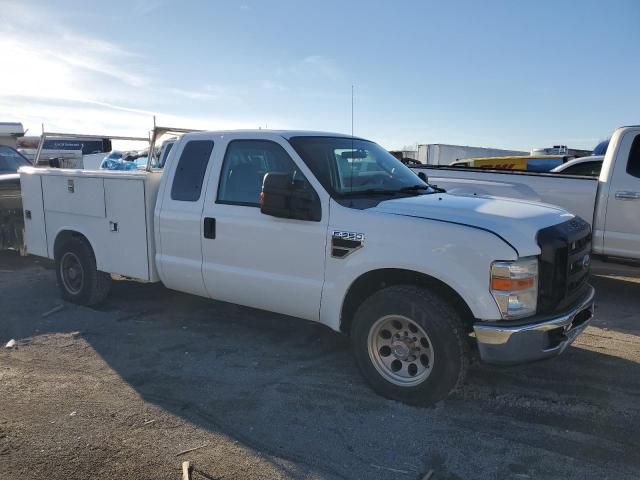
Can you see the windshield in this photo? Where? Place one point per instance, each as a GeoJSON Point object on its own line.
{"type": "Point", "coordinates": [11, 160]}
{"type": "Point", "coordinates": [351, 167]}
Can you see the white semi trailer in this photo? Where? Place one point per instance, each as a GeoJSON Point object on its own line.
{"type": "Point", "coordinates": [442, 154]}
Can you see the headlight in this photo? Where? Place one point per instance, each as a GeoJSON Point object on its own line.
{"type": "Point", "coordinates": [514, 285]}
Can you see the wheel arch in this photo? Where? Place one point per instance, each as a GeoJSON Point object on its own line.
{"type": "Point", "coordinates": [370, 282]}
{"type": "Point", "coordinates": [66, 234]}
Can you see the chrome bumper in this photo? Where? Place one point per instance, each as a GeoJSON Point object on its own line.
{"type": "Point", "coordinates": [537, 338]}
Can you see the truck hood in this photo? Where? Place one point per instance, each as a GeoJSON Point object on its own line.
{"type": "Point", "coordinates": [517, 222]}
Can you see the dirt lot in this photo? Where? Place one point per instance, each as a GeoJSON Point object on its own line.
{"type": "Point", "coordinates": [119, 391]}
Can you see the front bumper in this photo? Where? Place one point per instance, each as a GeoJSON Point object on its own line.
{"type": "Point", "coordinates": [533, 338]}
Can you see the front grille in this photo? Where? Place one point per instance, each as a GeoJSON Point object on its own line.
{"type": "Point", "coordinates": [564, 264]}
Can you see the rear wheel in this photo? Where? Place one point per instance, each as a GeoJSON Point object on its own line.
{"type": "Point", "coordinates": [410, 345]}
{"type": "Point", "coordinates": [78, 278]}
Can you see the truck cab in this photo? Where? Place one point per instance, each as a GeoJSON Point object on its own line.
{"type": "Point", "coordinates": [330, 228]}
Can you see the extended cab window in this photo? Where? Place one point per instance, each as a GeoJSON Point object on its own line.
{"type": "Point", "coordinates": [245, 164]}
{"type": "Point", "coordinates": [187, 182]}
{"type": "Point", "coordinates": [633, 165]}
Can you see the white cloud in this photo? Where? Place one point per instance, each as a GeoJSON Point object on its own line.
{"type": "Point", "coordinates": [145, 7]}
{"type": "Point", "coordinates": [74, 82]}
{"type": "Point", "coordinates": [270, 85]}
{"type": "Point", "coordinates": [311, 76]}
{"type": "Point", "coordinates": [319, 65]}
{"type": "Point", "coordinates": [76, 116]}
{"type": "Point", "coordinates": [45, 59]}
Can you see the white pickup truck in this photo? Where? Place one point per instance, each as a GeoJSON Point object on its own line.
{"type": "Point", "coordinates": [610, 202]}
{"type": "Point", "coordinates": [332, 229]}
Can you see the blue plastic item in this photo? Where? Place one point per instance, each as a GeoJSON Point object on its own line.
{"type": "Point", "coordinates": [601, 148]}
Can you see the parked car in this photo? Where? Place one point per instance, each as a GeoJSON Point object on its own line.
{"type": "Point", "coordinates": [589, 166]}
{"type": "Point", "coordinates": [333, 229]}
{"type": "Point", "coordinates": [609, 202]}
{"type": "Point", "coordinates": [11, 217]}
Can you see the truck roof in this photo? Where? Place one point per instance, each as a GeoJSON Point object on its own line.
{"type": "Point", "coordinates": [11, 128]}
{"type": "Point", "coordinates": [283, 133]}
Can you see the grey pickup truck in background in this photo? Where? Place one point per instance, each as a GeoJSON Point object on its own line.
{"type": "Point", "coordinates": [11, 218]}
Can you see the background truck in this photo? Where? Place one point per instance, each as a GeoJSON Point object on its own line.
{"type": "Point", "coordinates": [65, 150]}
{"type": "Point", "coordinates": [332, 229]}
{"type": "Point", "coordinates": [609, 202]}
{"type": "Point", "coordinates": [443, 154]}
{"type": "Point", "coordinates": [11, 217]}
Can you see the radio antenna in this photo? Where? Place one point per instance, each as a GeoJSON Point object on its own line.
{"type": "Point", "coordinates": [352, 112]}
{"type": "Point", "coordinates": [352, 151]}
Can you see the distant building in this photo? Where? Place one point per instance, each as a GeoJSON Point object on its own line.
{"type": "Point", "coordinates": [9, 133]}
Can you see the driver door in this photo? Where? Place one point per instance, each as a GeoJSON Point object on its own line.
{"type": "Point", "coordinates": [254, 259]}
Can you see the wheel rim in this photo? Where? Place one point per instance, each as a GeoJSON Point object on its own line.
{"type": "Point", "coordinates": [71, 273]}
{"type": "Point", "coordinates": [400, 350]}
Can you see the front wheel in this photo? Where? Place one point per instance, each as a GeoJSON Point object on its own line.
{"type": "Point", "coordinates": [410, 345]}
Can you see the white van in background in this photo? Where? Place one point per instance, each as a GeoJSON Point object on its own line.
{"type": "Point", "coordinates": [84, 152]}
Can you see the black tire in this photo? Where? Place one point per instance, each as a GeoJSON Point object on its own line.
{"type": "Point", "coordinates": [445, 331]}
{"type": "Point", "coordinates": [94, 285]}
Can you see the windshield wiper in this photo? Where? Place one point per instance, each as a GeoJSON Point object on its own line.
{"type": "Point", "coordinates": [370, 191]}
{"type": "Point", "coordinates": [414, 188]}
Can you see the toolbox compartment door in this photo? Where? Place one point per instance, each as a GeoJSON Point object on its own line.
{"type": "Point", "coordinates": [35, 237]}
{"type": "Point", "coordinates": [76, 195]}
{"type": "Point", "coordinates": [126, 237]}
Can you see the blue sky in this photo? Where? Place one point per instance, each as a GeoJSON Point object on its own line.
{"type": "Point", "coordinates": [509, 74]}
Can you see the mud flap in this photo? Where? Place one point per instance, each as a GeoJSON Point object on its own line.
{"type": "Point", "coordinates": [11, 230]}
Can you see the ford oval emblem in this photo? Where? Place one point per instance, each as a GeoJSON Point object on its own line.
{"type": "Point", "coordinates": [586, 261]}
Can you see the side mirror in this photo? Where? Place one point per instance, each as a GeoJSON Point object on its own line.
{"type": "Point", "coordinates": [423, 177]}
{"type": "Point", "coordinates": [284, 197]}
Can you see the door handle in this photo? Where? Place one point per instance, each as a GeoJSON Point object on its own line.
{"type": "Point", "coordinates": [628, 195]}
{"type": "Point", "coordinates": [209, 227]}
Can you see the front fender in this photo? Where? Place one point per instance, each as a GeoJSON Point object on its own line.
{"type": "Point", "coordinates": [457, 255]}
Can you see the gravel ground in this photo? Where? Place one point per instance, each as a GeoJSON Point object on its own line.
{"type": "Point", "coordinates": [119, 391]}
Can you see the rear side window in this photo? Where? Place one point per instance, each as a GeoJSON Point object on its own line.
{"type": "Point", "coordinates": [187, 182]}
{"type": "Point", "coordinates": [633, 165]}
